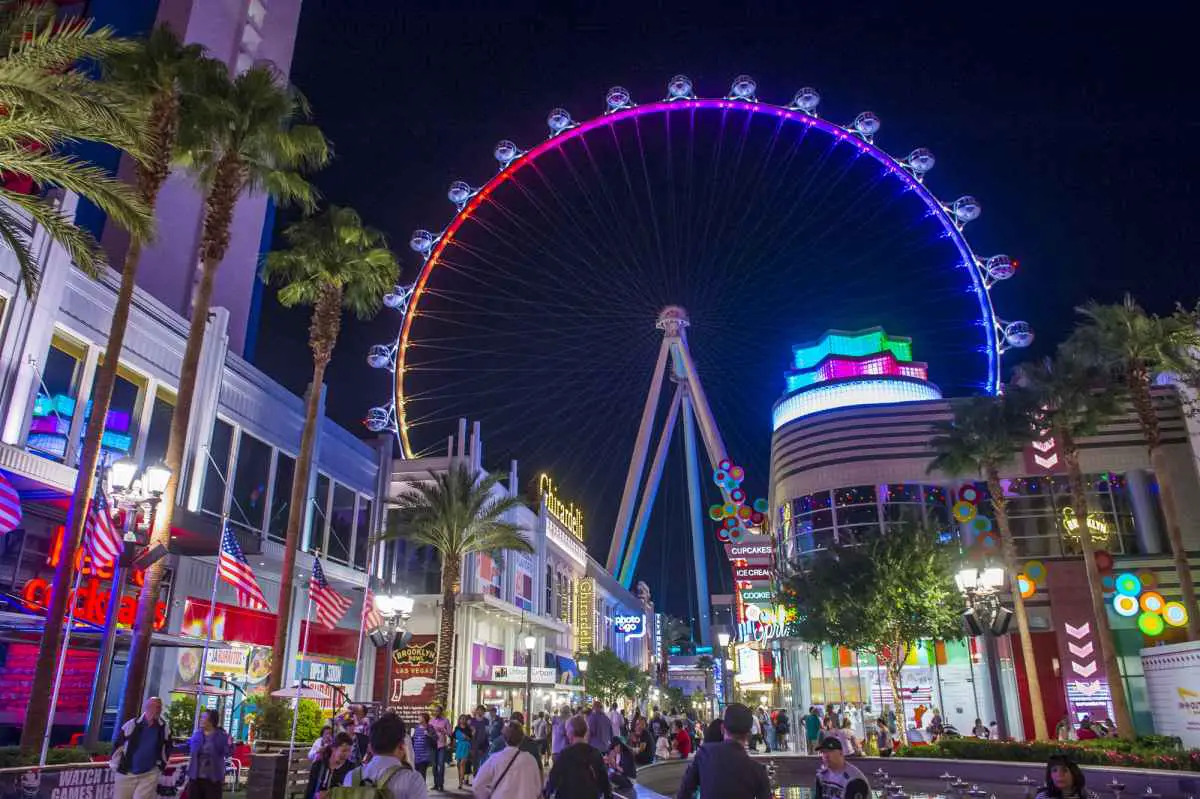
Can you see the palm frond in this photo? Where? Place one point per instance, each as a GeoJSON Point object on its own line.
{"type": "Point", "coordinates": [83, 249]}
{"type": "Point", "coordinates": [15, 237]}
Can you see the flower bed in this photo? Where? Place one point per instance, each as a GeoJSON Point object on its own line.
{"type": "Point", "coordinates": [1151, 751]}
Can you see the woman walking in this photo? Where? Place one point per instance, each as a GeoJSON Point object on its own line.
{"type": "Point", "coordinates": [423, 745]}
{"type": "Point", "coordinates": [462, 747]}
{"type": "Point", "coordinates": [331, 767]}
{"type": "Point", "coordinates": [209, 747]}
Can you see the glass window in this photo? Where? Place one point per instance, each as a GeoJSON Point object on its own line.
{"type": "Point", "coordinates": [250, 482]}
{"type": "Point", "coordinates": [54, 404]}
{"type": "Point", "coordinates": [341, 523]}
{"type": "Point", "coordinates": [124, 413]}
{"type": "Point", "coordinates": [281, 497]}
{"type": "Point", "coordinates": [362, 534]}
{"type": "Point", "coordinates": [160, 427]}
{"type": "Point", "coordinates": [212, 496]}
{"type": "Point", "coordinates": [320, 514]}
{"type": "Point", "coordinates": [523, 589]}
{"type": "Point", "coordinates": [547, 609]}
{"type": "Point", "coordinates": [857, 495]}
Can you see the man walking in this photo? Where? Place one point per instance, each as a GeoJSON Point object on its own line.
{"type": "Point", "coordinates": [837, 779]}
{"type": "Point", "coordinates": [140, 753]}
{"type": "Point", "coordinates": [480, 743]}
{"type": "Point", "coordinates": [579, 771]}
{"type": "Point", "coordinates": [725, 769]}
{"type": "Point", "coordinates": [599, 728]}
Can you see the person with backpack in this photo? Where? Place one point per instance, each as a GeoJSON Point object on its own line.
{"type": "Point", "coordinates": [511, 773]}
{"type": "Point", "coordinates": [579, 771]}
{"type": "Point", "coordinates": [140, 753]}
{"type": "Point", "coordinates": [388, 775]}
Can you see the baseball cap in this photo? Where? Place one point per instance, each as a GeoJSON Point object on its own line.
{"type": "Point", "coordinates": [830, 744]}
{"type": "Point", "coordinates": [738, 719]}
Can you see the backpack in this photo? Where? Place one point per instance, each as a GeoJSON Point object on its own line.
{"type": "Point", "coordinates": [360, 788]}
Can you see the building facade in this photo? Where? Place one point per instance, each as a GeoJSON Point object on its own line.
{"type": "Point", "coordinates": [839, 474]}
{"type": "Point", "coordinates": [557, 594]}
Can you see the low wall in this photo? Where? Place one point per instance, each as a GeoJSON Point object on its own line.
{"type": "Point", "coordinates": [924, 775]}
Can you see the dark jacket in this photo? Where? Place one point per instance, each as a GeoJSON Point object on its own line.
{"type": "Point", "coordinates": [222, 748]}
{"type": "Point", "coordinates": [130, 735]}
{"type": "Point", "coordinates": [579, 773]}
{"type": "Point", "coordinates": [725, 770]}
{"type": "Point", "coordinates": [321, 777]}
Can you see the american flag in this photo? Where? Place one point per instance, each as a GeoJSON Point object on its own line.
{"type": "Point", "coordinates": [370, 618]}
{"type": "Point", "coordinates": [102, 543]}
{"type": "Point", "coordinates": [331, 605]}
{"type": "Point", "coordinates": [10, 506]}
{"type": "Point", "coordinates": [233, 568]}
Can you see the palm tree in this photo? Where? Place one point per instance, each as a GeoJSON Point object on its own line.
{"type": "Point", "coordinates": [1071, 398]}
{"type": "Point", "coordinates": [48, 103]}
{"type": "Point", "coordinates": [248, 139]}
{"type": "Point", "coordinates": [1135, 346]}
{"type": "Point", "coordinates": [334, 263]}
{"type": "Point", "coordinates": [455, 513]}
{"type": "Point", "coordinates": [982, 437]}
{"type": "Point", "coordinates": [154, 76]}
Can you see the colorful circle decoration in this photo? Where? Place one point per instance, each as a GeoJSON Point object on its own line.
{"type": "Point", "coordinates": [969, 493]}
{"type": "Point", "coordinates": [989, 541]}
{"type": "Point", "coordinates": [758, 518]}
{"type": "Point", "coordinates": [1035, 570]}
{"type": "Point", "coordinates": [738, 495]}
{"type": "Point", "coordinates": [963, 511]}
{"type": "Point", "coordinates": [1175, 614]}
{"type": "Point", "coordinates": [737, 473]}
{"type": "Point", "coordinates": [1108, 583]}
{"type": "Point", "coordinates": [716, 512]}
{"type": "Point", "coordinates": [1125, 606]}
{"type": "Point", "coordinates": [981, 524]}
{"type": "Point", "coordinates": [744, 513]}
{"type": "Point", "coordinates": [1128, 584]}
{"type": "Point", "coordinates": [1151, 624]}
{"type": "Point", "coordinates": [761, 505]}
{"type": "Point", "coordinates": [1152, 602]}
{"type": "Point", "coordinates": [1104, 560]}
{"type": "Point", "coordinates": [1149, 579]}
{"type": "Point", "coordinates": [1026, 586]}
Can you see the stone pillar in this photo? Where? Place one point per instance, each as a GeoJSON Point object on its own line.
{"type": "Point", "coordinates": [1145, 520]}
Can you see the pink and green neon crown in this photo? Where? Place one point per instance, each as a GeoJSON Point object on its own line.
{"type": "Point", "coordinates": [841, 355]}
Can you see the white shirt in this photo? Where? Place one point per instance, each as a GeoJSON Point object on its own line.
{"type": "Point", "coordinates": [404, 784]}
{"type": "Point", "coordinates": [523, 779]}
{"type": "Point", "coordinates": [617, 721]}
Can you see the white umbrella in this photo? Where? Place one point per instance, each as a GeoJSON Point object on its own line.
{"type": "Point", "coordinates": [301, 692]}
{"type": "Point", "coordinates": [207, 690]}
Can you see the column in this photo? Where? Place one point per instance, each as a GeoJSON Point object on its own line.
{"type": "Point", "coordinates": [1145, 520]}
{"type": "Point", "coordinates": [209, 373]}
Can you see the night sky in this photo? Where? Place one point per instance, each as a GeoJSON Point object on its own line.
{"type": "Point", "coordinates": [1071, 129]}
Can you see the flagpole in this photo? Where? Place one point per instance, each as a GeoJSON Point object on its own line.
{"type": "Point", "coordinates": [208, 623]}
{"type": "Point", "coordinates": [362, 627]}
{"type": "Point", "coordinates": [303, 656]}
{"type": "Point", "coordinates": [62, 660]}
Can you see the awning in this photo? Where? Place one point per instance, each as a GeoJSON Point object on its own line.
{"type": "Point", "coordinates": [24, 627]}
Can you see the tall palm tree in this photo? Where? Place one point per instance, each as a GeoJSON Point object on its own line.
{"type": "Point", "coordinates": [1072, 399]}
{"type": "Point", "coordinates": [334, 263]}
{"type": "Point", "coordinates": [983, 436]}
{"type": "Point", "coordinates": [455, 513]}
{"type": "Point", "coordinates": [1135, 346]}
{"type": "Point", "coordinates": [154, 76]}
{"type": "Point", "coordinates": [47, 103]}
{"type": "Point", "coordinates": [249, 139]}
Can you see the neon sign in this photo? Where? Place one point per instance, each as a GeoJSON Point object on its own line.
{"type": "Point", "coordinates": [585, 617]}
{"type": "Point", "coordinates": [630, 626]}
{"type": "Point", "coordinates": [91, 602]}
{"type": "Point", "coordinates": [567, 514]}
{"type": "Point", "coordinates": [1100, 530]}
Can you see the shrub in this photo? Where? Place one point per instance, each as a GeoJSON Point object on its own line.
{"type": "Point", "coordinates": [16, 756]}
{"type": "Point", "coordinates": [273, 719]}
{"type": "Point", "coordinates": [181, 715]}
{"type": "Point", "coordinates": [1151, 751]}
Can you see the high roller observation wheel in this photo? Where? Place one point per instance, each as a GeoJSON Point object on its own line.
{"type": "Point", "coordinates": [911, 170]}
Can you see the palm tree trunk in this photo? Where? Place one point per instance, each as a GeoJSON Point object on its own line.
{"type": "Point", "coordinates": [445, 646]}
{"type": "Point", "coordinates": [323, 333]}
{"type": "Point", "coordinates": [163, 125]}
{"type": "Point", "coordinates": [1008, 551]}
{"type": "Point", "coordinates": [1139, 391]}
{"type": "Point", "coordinates": [1116, 685]}
{"type": "Point", "coordinates": [217, 218]}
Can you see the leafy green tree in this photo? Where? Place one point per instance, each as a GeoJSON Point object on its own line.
{"type": "Point", "coordinates": [884, 596]}
{"type": "Point", "coordinates": [1135, 346]}
{"type": "Point", "coordinates": [608, 677]}
{"type": "Point", "coordinates": [674, 699]}
{"type": "Point", "coordinates": [152, 77]}
{"type": "Point", "coordinates": [47, 102]}
{"type": "Point", "coordinates": [983, 436]}
{"type": "Point", "coordinates": [181, 715]}
{"type": "Point", "coordinates": [333, 263]}
{"type": "Point", "coordinates": [455, 513]}
{"type": "Point", "coordinates": [249, 138]}
{"type": "Point", "coordinates": [1072, 397]}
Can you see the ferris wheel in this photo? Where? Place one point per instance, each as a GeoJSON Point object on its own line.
{"type": "Point", "coordinates": [537, 300]}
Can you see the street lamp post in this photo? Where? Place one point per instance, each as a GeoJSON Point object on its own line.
{"type": "Point", "coordinates": [723, 639]}
{"type": "Point", "coordinates": [583, 664]}
{"type": "Point", "coordinates": [530, 643]}
{"type": "Point", "coordinates": [396, 610]}
{"type": "Point", "coordinates": [986, 616]}
{"type": "Point", "coordinates": [130, 495]}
